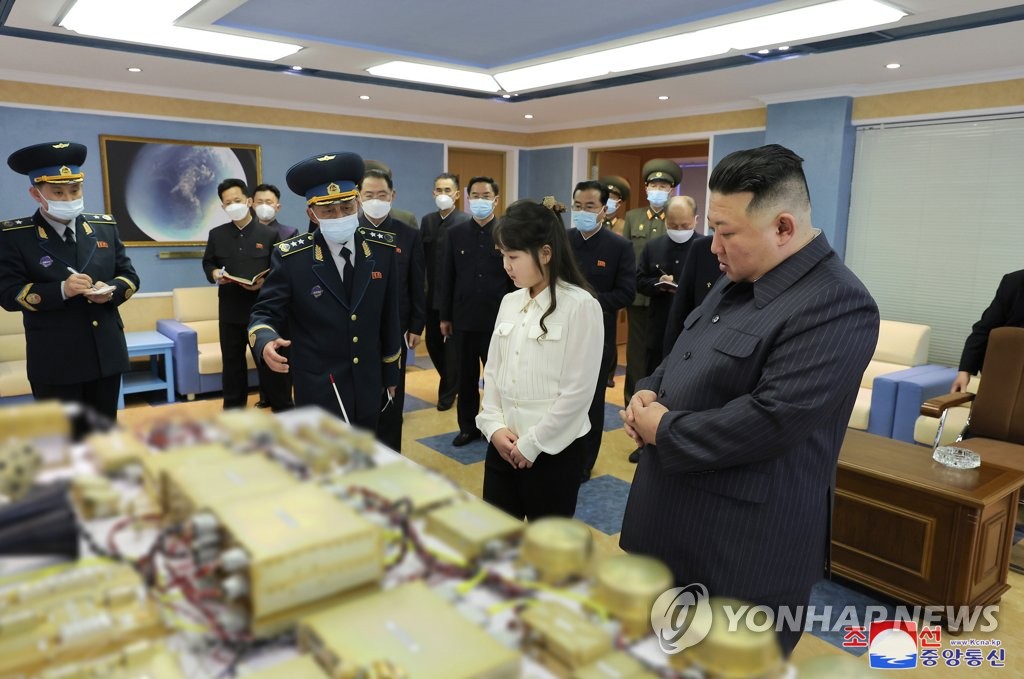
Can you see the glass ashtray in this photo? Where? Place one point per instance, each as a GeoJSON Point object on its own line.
{"type": "Point", "coordinates": [958, 458]}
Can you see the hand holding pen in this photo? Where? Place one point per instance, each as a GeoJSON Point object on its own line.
{"type": "Point", "coordinates": [77, 284]}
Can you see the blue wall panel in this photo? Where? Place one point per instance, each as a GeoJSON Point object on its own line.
{"type": "Point", "coordinates": [414, 164]}
{"type": "Point", "coordinates": [724, 144]}
{"type": "Point", "coordinates": [546, 172]}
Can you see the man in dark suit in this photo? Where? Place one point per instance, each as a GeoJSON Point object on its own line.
{"type": "Point", "coordinates": [472, 285]}
{"type": "Point", "coordinates": [606, 260]}
{"type": "Point", "coordinates": [375, 194]}
{"type": "Point", "coordinates": [275, 388]}
{"type": "Point", "coordinates": [742, 423]}
{"type": "Point", "coordinates": [397, 213]}
{"type": "Point", "coordinates": [67, 273]}
{"type": "Point", "coordinates": [700, 271]}
{"type": "Point", "coordinates": [338, 290]}
{"type": "Point", "coordinates": [1007, 308]}
{"type": "Point", "coordinates": [434, 227]}
{"type": "Point", "coordinates": [240, 247]}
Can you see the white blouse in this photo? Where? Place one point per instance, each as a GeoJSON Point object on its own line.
{"type": "Point", "coordinates": [541, 387]}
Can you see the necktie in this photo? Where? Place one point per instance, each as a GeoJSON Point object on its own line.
{"type": "Point", "coordinates": [69, 236]}
{"type": "Point", "coordinates": [349, 273]}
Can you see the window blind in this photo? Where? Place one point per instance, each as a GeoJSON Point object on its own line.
{"type": "Point", "coordinates": [936, 220]}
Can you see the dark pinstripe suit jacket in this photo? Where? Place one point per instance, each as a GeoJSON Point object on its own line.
{"type": "Point", "coordinates": [760, 385]}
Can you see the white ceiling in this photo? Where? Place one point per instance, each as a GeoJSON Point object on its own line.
{"type": "Point", "coordinates": [974, 55]}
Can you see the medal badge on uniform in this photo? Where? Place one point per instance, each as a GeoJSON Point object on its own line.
{"type": "Point", "coordinates": [316, 291]}
{"type": "Point", "coordinates": [46, 261]}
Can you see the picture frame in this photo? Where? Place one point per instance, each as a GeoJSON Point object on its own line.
{"type": "Point", "coordinates": [164, 191]}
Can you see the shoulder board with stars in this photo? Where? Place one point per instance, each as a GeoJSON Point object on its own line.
{"type": "Point", "coordinates": [295, 244]}
{"type": "Point", "coordinates": [377, 236]}
{"type": "Point", "coordinates": [15, 224]}
{"type": "Point", "coordinates": [107, 219]}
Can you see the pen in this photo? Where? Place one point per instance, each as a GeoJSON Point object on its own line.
{"type": "Point", "coordinates": [660, 269]}
{"type": "Point", "coordinates": [72, 271]}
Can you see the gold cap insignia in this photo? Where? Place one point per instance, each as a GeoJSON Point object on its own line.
{"type": "Point", "coordinates": [324, 159]}
{"type": "Point", "coordinates": [658, 175]}
{"type": "Point", "coordinates": [62, 145]}
{"type": "Point", "coordinates": [333, 189]}
{"type": "Point", "coordinates": [65, 171]}
{"type": "Point", "coordinates": [33, 298]}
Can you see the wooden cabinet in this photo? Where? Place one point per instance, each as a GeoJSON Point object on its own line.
{"type": "Point", "coordinates": [925, 534]}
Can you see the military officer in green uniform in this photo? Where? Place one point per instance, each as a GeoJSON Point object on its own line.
{"type": "Point", "coordinates": [67, 272]}
{"type": "Point", "coordinates": [660, 176]}
{"type": "Point", "coordinates": [618, 197]}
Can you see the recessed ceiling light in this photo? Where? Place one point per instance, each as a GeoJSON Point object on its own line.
{"type": "Point", "coordinates": [663, 97]}
{"type": "Point", "coordinates": [296, 68]}
{"type": "Point", "coordinates": [364, 97]}
{"type": "Point", "coordinates": [784, 48]}
{"type": "Point", "coordinates": [528, 116]}
{"type": "Point", "coordinates": [764, 51]}
{"type": "Point", "coordinates": [893, 66]}
{"type": "Point", "coordinates": [134, 69]}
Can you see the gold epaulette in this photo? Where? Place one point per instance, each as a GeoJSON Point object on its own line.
{"type": "Point", "coordinates": [295, 244]}
{"type": "Point", "coordinates": [15, 224]}
{"type": "Point", "coordinates": [377, 236]}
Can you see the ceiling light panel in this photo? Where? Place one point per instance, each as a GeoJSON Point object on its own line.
{"type": "Point", "coordinates": [436, 75]}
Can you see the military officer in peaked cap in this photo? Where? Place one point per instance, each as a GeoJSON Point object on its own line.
{"type": "Point", "coordinates": [618, 197]}
{"type": "Point", "coordinates": [67, 272]}
{"type": "Point", "coordinates": [660, 176]}
{"type": "Point", "coordinates": [337, 289]}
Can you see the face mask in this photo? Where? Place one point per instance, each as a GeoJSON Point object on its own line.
{"type": "Point", "coordinates": [265, 212]}
{"type": "Point", "coordinates": [679, 235]}
{"type": "Point", "coordinates": [584, 221]}
{"type": "Point", "coordinates": [65, 209]}
{"type": "Point", "coordinates": [376, 209]}
{"type": "Point", "coordinates": [613, 205]}
{"type": "Point", "coordinates": [481, 207]}
{"type": "Point", "coordinates": [443, 201]}
{"type": "Point", "coordinates": [339, 230]}
{"type": "Point", "coordinates": [657, 198]}
{"type": "Point", "coordinates": [237, 211]}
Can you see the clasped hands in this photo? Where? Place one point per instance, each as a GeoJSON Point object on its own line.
{"type": "Point", "coordinates": [505, 443]}
{"type": "Point", "coordinates": [642, 416]}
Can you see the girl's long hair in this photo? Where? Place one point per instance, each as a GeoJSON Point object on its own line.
{"type": "Point", "coordinates": [529, 226]}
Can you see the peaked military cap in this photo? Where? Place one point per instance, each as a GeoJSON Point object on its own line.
{"type": "Point", "coordinates": [617, 184]}
{"type": "Point", "coordinates": [661, 169]}
{"type": "Point", "coordinates": [328, 178]}
{"type": "Point", "coordinates": [55, 162]}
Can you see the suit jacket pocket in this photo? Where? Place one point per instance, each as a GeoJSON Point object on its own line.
{"type": "Point", "coordinates": [740, 483]}
{"type": "Point", "coordinates": [736, 343]}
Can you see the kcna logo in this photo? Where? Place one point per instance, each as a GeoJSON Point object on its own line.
{"type": "Point", "coordinates": [681, 617]}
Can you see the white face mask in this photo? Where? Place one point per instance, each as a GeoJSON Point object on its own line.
{"type": "Point", "coordinates": [65, 209]}
{"type": "Point", "coordinates": [481, 207]}
{"type": "Point", "coordinates": [339, 230]}
{"type": "Point", "coordinates": [443, 201]}
{"type": "Point", "coordinates": [680, 235]}
{"type": "Point", "coordinates": [613, 205]}
{"type": "Point", "coordinates": [376, 209]}
{"type": "Point", "coordinates": [265, 212]}
{"type": "Point", "coordinates": [237, 211]}
{"type": "Point", "coordinates": [657, 198]}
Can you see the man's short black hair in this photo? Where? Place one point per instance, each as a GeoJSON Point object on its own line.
{"type": "Point", "coordinates": [448, 175]}
{"type": "Point", "coordinates": [230, 184]}
{"type": "Point", "coordinates": [379, 174]}
{"type": "Point", "coordinates": [484, 180]}
{"type": "Point", "coordinates": [773, 173]}
{"type": "Point", "coordinates": [267, 187]}
{"type": "Point", "coordinates": [592, 184]}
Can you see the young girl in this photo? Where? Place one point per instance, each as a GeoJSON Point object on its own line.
{"type": "Point", "coordinates": [542, 369]}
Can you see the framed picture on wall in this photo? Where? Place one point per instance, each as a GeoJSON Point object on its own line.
{"type": "Point", "coordinates": [164, 191]}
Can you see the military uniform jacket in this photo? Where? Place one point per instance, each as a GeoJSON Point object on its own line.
{"type": "Point", "coordinates": [642, 225]}
{"type": "Point", "coordinates": [474, 279]}
{"type": "Point", "coordinates": [606, 261]}
{"type": "Point", "coordinates": [72, 341]}
{"type": "Point", "coordinates": [736, 492]}
{"type": "Point", "coordinates": [357, 340]}
{"type": "Point", "coordinates": [243, 252]}
{"type": "Point", "coordinates": [660, 256]}
{"type": "Point", "coordinates": [435, 236]}
{"type": "Point", "coordinates": [412, 296]}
